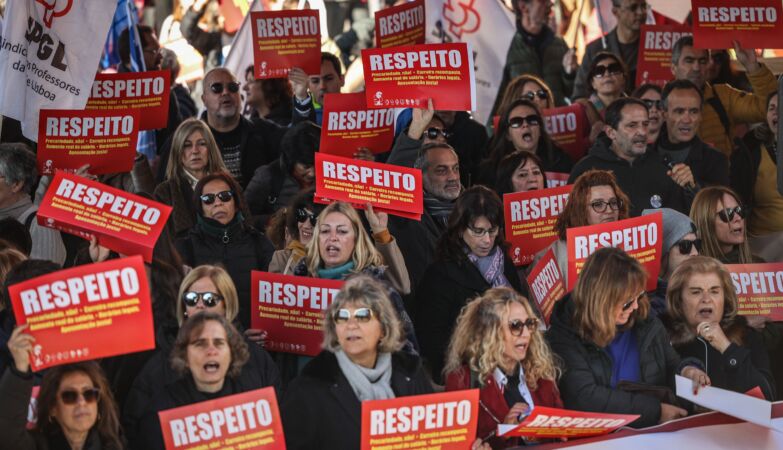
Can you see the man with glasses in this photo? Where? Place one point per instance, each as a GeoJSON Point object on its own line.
{"type": "Point", "coordinates": [622, 148]}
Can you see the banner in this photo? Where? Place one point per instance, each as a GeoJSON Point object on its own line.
{"type": "Point", "coordinates": [556, 179]}
{"type": "Point", "coordinates": [554, 423]}
{"type": "Point", "coordinates": [86, 312]}
{"type": "Point", "coordinates": [126, 223]}
{"type": "Point", "coordinates": [530, 220]}
{"type": "Point", "coordinates": [640, 237]}
{"type": "Point", "coordinates": [394, 189]}
{"type": "Point", "coordinates": [291, 310]}
{"type": "Point", "coordinates": [400, 25]}
{"type": "Point", "coordinates": [567, 127]}
{"type": "Point", "coordinates": [445, 421]}
{"type": "Point", "coordinates": [405, 77]}
{"type": "Point", "coordinates": [655, 53]}
{"type": "Point", "coordinates": [348, 125]}
{"type": "Point", "coordinates": [286, 39]}
{"type": "Point", "coordinates": [49, 53]}
{"type": "Point", "coordinates": [759, 289]}
{"type": "Point", "coordinates": [754, 23]}
{"type": "Point", "coordinates": [145, 92]}
{"type": "Point", "coordinates": [546, 284]}
{"type": "Point", "coordinates": [247, 420]}
{"type": "Point", "coordinates": [106, 140]}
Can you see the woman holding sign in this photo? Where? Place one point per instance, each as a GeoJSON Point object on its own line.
{"type": "Point", "coordinates": [497, 347]}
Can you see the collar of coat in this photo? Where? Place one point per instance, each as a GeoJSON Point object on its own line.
{"type": "Point", "coordinates": [324, 366]}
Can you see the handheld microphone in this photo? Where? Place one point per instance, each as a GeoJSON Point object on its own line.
{"type": "Point", "coordinates": [670, 164]}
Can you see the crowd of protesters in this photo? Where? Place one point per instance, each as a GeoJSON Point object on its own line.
{"type": "Point", "coordinates": [433, 304]}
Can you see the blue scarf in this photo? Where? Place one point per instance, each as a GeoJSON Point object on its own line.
{"type": "Point", "coordinates": [491, 267]}
{"type": "Point", "coordinates": [336, 273]}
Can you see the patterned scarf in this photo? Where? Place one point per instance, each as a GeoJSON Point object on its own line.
{"type": "Point", "coordinates": [491, 267]}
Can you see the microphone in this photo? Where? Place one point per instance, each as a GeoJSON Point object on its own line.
{"type": "Point", "coordinates": [690, 187]}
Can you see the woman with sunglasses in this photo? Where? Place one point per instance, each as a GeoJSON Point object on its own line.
{"type": "Point", "coordinates": [519, 172]}
{"type": "Point", "coordinates": [650, 94]}
{"type": "Point", "coordinates": [300, 219]}
{"type": "Point", "coordinates": [606, 83]}
{"type": "Point", "coordinates": [703, 323]}
{"type": "Point", "coordinates": [75, 406]}
{"type": "Point", "coordinates": [471, 258]}
{"type": "Point", "coordinates": [498, 347]}
{"type": "Point", "coordinates": [528, 87]}
{"type": "Point", "coordinates": [616, 358]}
{"type": "Point", "coordinates": [361, 360]}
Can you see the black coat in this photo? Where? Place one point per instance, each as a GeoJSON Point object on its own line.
{"type": "Point", "coordinates": [271, 188]}
{"type": "Point", "coordinates": [446, 287]}
{"type": "Point", "coordinates": [320, 409]}
{"type": "Point", "coordinates": [709, 166]}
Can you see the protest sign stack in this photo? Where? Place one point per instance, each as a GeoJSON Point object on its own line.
{"type": "Point", "coordinates": [654, 63]}
{"type": "Point", "coordinates": [567, 127]}
{"type": "Point", "coordinates": [752, 23]}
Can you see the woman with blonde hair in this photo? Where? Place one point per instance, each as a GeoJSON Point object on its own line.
{"type": "Point", "coordinates": [498, 347]}
{"type": "Point", "coordinates": [720, 221]}
{"type": "Point", "coordinates": [207, 288]}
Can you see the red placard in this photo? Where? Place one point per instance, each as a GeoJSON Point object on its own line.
{"type": "Point", "coordinates": [754, 23]}
{"type": "Point", "coordinates": [400, 25]}
{"type": "Point", "coordinates": [69, 139]}
{"type": "Point", "coordinates": [655, 53]}
{"type": "Point", "coordinates": [759, 289]}
{"type": "Point", "coordinates": [546, 284]}
{"type": "Point", "coordinates": [530, 220]}
{"type": "Point", "coordinates": [126, 223]}
{"type": "Point", "coordinates": [567, 127]}
{"type": "Point", "coordinates": [388, 187]}
{"type": "Point", "coordinates": [554, 423]}
{"type": "Point", "coordinates": [233, 14]}
{"type": "Point", "coordinates": [147, 92]}
{"type": "Point", "coordinates": [247, 420]}
{"type": "Point", "coordinates": [555, 179]}
{"type": "Point", "coordinates": [445, 421]}
{"type": "Point", "coordinates": [641, 237]}
{"type": "Point", "coordinates": [348, 125]}
{"type": "Point", "coordinates": [86, 312]}
{"type": "Point", "coordinates": [405, 77]}
{"type": "Point", "coordinates": [286, 39]}
{"type": "Point", "coordinates": [291, 310]}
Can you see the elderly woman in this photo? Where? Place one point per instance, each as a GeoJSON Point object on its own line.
{"type": "Point", "coordinates": [498, 347]}
{"type": "Point", "coordinates": [519, 172]}
{"type": "Point", "coordinates": [301, 217]}
{"type": "Point", "coordinates": [616, 358]}
{"type": "Point", "coordinates": [194, 154]}
{"type": "Point", "coordinates": [606, 83]}
{"type": "Point", "coordinates": [650, 94]}
{"type": "Point", "coordinates": [75, 409]}
{"type": "Point", "coordinates": [471, 259]}
{"type": "Point", "coordinates": [361, 361]}
{"type": "Point", "coordinates": [703, 323]}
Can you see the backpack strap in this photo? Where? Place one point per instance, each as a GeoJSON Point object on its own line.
{"type": "Point", "coordinates": [28, 221]}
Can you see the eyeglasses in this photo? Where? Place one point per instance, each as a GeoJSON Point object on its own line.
{"type": "Point", "coordinates": [727, 215]}
{"type": "Point", "coordinates": [434, 132]}
{"type": "Point", "coordinates": [302, 215]}
{"type": "Point", "coordinates": [685, 246]}
{"type": "Point", "coordinates": [517, 326]}
{"type": "Point", "coordinates": [71, 397]}
{"type": "Point", "coordinates": [481, 232]}
{"type": "Point", "coordinates": [637, 8]}
{"type": "Point", "coordinates": [542, 94]}
{"type": "Point", "coordinates": [210, 299]}
{"type": "Point", "coordinates": [599, 206]}
{"type": "Point", "coordinates": [217, 88]}
{"type": "Point", "coordinates": [362, 315]}
{"type": "Point", "coordinates": [652, 103]}
{"type": "Point", "coordinates": [627, 305]}
{"type": "Point", "coordinates": [532, 120]}
{"type": "Point", "coordinates": [611, 69]}
{"type": "Point", "coordinates": [224, 197]}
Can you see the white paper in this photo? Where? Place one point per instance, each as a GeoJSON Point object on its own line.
{"type": "Point", "coordinates": [504, 428]}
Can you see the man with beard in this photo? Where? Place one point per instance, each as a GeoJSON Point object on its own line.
{"type": "Point", "coordinates": [622, 148]}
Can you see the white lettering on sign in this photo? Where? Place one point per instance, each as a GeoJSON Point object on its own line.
{"type": "Point", "coordinates": [758, 282]}
{"type": "Point", "coordinates": [405, 419]}
{"type": "Point", "coordinates": [92, 196]}
{"type": "Point", "coordinates": [423, 59]}
{"type": "Point", "coordinates": [545, 421]}
{"type": "Point", "coordinates": [401, 21]}
{"type": "Point", "coordinates": [545, 280]}
{"type": "Point", "coordinates": [629, 239]}
{"type": "Point", "coordinates": [93, 287]}
{"type": "Point", "coordinates": [560, 123]}
{"type": "Point", "coordinates": [288, 294]}
{"type": "Point", "coordinates": [214, 424]}
{"type": "Point", "coordinates": [286, 26]}
{"type": "Point", "coordinates": [352, 120]}
{"type": "Point", "coordinates": [86, 126]}
{"type": "Point", "coordinates": [143, 87]}
{"type": "Point", "coordinates": [733, 14]}
{"type": "Point", "coordinates": [662, 40]}
{"type": "Point", "coordinates": [366, 175]}
{"type": "Point", "coordinates": [538, 208]}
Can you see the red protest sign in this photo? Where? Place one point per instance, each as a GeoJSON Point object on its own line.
{"type": "Point", "coordinates": [247, 420]}
{"type": "Point", "coordinates": [546, 284]}
{"type": "Point", "coordinates": [291, 310]}
{"type": "Point", "coordinates": [388, 187]}
{"type": "Point", "coordinates": [69, 139]}
{"type": "Point", "coordinates": [655, 53]}
{"type": "Point", "coordinates": [348, 125]}
{"type": "Point", "coordinates": [400, 25]}
{"type": "Point", "coordinates": [754, 23]}
{"type": "Point", "coordinates": [555, 423]}
{"type": "Point", "coordinates": [566, 126]}
{"type": "Point", "coordinates": [286, 39]}
{"type": "Point", "coordinates": [126, 223]}
{"type": "Point", "coordinates": [640, 237]}
{"type": "Point", "coordinates": [555, 179]}
{"type": "Point", "coordinates": [405, 77]}
{"type": "Point", "coordinates": [86, 312]}
{"type": "Point", "coordinates": [530, 220]}
{"type": "Point", "coordinates": [759, 289]}
{"type": "Point", "coordinates": [446, 421]}
{"type": "Point", "coordinates": [147, 92]}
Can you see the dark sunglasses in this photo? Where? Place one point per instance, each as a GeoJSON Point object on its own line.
{"type": "Point", "coordinates": [727, 215]}
{"type": "Point", "coordinates": [599, 206]}
{"type": "Point", "coordinates": [650, 103]}
{"type": "Point", "coordinates": [224, 197]}
{"type": "Point", "coordinates": [71, 397]}
{"type": "Point", "coordinates": [685, 246]}
{"type": "Point", "coordinates": [434, 132]}
{"type": "Point", "coordinates": [612, 69]}
{"type": "Point", "coordinates": [627, 305]}
{"type": "Point", "coordinates": [531, 120]}
{"type": "Point", "coordinates": [362, 315]}
{"type": "Point", "coordinates": [539, 93]}
{"type": "Point", "coordinates": [210, 299]}
{"type": "Point", "coordinates": [217, 88]}
{"type": "Point", "coordinates": [517, 326]}
{"type": "Point", "coordinates": [302, 215]}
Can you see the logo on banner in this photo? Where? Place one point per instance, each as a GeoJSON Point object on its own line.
{"type": "Point", "coordinates": [378, 101]}
{"type": "Point", "coordinates": [51, 9]}
{"type": "Point", "coordinates": [462, 17]}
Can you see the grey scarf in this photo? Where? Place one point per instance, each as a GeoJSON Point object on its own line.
{"type": "Point", "coordinates": [368, 384]}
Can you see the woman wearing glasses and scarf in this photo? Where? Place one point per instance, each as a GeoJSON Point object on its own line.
{"type": "Point", "coordinates": [606, 79]}
{"type": "Point", "coordinates": [616, 358]}
{"type": "Point", "coordinates": [497, 347]}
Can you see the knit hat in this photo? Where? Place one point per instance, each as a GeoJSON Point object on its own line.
{"type": "Point", "coordinates": [675, 226]}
